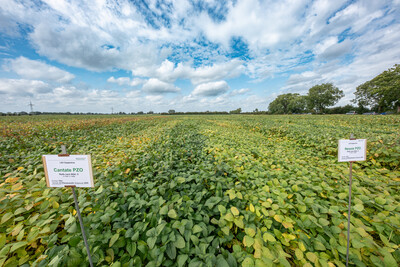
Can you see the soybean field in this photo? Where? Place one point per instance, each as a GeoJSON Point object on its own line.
{"type": "Point", "coordinates": [222, 190]}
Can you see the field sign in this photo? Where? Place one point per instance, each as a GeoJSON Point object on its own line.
{"type": "Point", "coordinates": [68, 170]}
{"type": "Point", "coordinates": [352, 150]}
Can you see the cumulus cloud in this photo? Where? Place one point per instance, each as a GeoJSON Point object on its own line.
{"type": "Point", "coordinates": [242, 91]}
{"type": "Point", "coordinates": [210, 42]}
{"type": "Point", "coordinates": [22, 87]}
{"type": "Point", "coordinates": [168, 72]}
{"type": "Point", "coordinates": [125, 81]}
{"type": "Point", "coordinates": [38, 70]}
{"type": "Point", "coordinates": [155, 86]}
{"type": "Point", "coordinates": [211, 89]}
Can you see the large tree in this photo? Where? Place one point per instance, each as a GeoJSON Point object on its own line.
{"type": "Point", "coordinates": [287, 103]}
{"type": "Point", "coordinates": [382, 92]}
{"type": "Point", "coordinates": [322, 96]}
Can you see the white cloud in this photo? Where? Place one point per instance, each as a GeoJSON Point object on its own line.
{"type": "Point", "coordinates": [303, 42]}
{"type": "Point", "coordinates": [22, 87]}
{"type": "Point", "coordinates": [133, 94]}
{"type": "Point", "coordinates": [306, 76]}
{"type": "Point", "coordinates": [168, 72]}
{"type": "Point", "coordinates": [242, 91]}
{"type": "Point", "coordinates": [211, 89]}
{"type": "Point", "coordinates": [120, 80]}
{"type": "Point", "coordinates": [155, 86]}
{"type": "Point", "coordinates": [125, 81]}
{"type": "Point", "coordinates": [38, 70]}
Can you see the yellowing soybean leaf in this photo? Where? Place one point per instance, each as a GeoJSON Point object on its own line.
{"type": "Point", "coordinates": [234, 211]}
{"type": "Point", "coordinates": [248, 262]}
{"type": "Point", "coordinates": [359, 207]}
{"type": "Point", "coordinates": [299, 254]}
{"type": "Point", "coordinates": [287, 224]}
{"type": "Point", "coordinates": [269, 237]}
{"type": "Point", "coordinates": [228, 217]}
{"type": "Point", "coordinates": [251, 207]}
{"type": "Point", "coordinates": [225, 230]}
{"type": "Point", "coordinates": [250, 231]}
{"type": "Point", "coordinates": [239, 222]}
{"type": "Point", "coordinates": [362, 232]}
{"type": "Point", "coordinates": [172, 214]}
{"type": "Point", "coordinates": [248, 241]}
{"type": "Point", "coordinates": [221, 209]}
{"type": "Point", "coordinates": [278, 218]}
{"type": "Point", "coordinates": [311, 256]}
{"type": "Point", "coordinates": [301, 246]}
{"type": "Point", "coordinates": [257, 254]}
{"type": "Point", "coordinates": [17, 229]}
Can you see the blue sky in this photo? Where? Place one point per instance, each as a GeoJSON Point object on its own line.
{"type": "Point", "coordinates": [92, 56]}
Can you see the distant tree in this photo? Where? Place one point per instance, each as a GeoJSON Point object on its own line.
{"type": "Point", "coordinates": [382, 92]}
{"type": "Point", "coordinates": [322, 96]}
{"type": "Point", "coordinates": [341, 110]}
{"type": "Point", "coordinates": [150, 112]}
{"type": "Point", "coordinates": [288, 103]}
{"type": "Point", "coordinates": [140, 113]}
{"type": "Point", "coordinates": [236, 111]}
{"type": "Point", "coordinates": [171, 111]}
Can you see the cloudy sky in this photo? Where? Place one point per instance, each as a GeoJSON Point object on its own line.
{"type": "Point", "coordinates": [152, 55]}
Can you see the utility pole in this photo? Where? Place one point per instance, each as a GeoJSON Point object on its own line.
{"type": "Point", "coordinates": [31, 105]}
{"type": "Point", "coordinates": [112, 110]}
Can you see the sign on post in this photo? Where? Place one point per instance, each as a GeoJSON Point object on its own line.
{"type": "Point", "coordinates": [352, 150]}
{"type": "Point", "coordinates": [68, 170]}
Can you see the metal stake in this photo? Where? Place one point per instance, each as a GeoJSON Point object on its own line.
{"type": "Point", "coordinates": [82, 228]}
{"type": "Point", "coordinates": [64, 152]}
{"type": "Point", "coordinates": [349, 213]}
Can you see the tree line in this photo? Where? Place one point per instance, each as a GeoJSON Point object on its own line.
{"type": "Point", "coordinates": [380, 94]}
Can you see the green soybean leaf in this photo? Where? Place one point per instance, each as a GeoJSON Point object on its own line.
{"type": "Point", "coordinates": [113, 239]}
{"type": "Point", "coordinates": [18, 245]}
{"type": "Point", "coordinates": [6, 217]}
{"type": "Point", "coordinates": [197, 229]}
{"type": "Point", "coordinates": [182, 259]}
{"type": "Point", "coordinates": [221, 262]}
{"type": "Point", "coordinates": [179, 242]}
{"type": "Point", "coordinates": [172, 214]}
{"type": "Point", "coordinates": [248, 262]}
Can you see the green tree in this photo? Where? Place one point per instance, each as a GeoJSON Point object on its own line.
{"type": "Point", "coordinates": [322, 96]}
{"type": "Point", "coordinates": [382, 92]}
{"type": "Point", "coordinates": [236, 111]}
{"type": "Point", "coordinates": [288, 103]}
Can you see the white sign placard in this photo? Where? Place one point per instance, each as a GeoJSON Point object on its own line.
{"type": "Point", "coordinates": [352, 150]}
{"type": "Point", "coordinates": [72, 170]}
